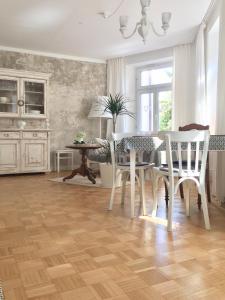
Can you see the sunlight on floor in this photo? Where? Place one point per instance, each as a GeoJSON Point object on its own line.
{"type": "Point", "coordinates": [158, 221]}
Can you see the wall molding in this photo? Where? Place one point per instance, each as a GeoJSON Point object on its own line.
{"type": "Point", "coordinates": [53, 55]}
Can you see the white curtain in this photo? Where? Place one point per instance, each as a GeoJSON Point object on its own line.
{"type": "Point", "coordinates": [116, 84]}
{"type": "Point", "coordinates": [220, 123]}
{"type": "Point", "coordinates": [183, 98]}
{"type": "Point", "coordinates": [201, 115]}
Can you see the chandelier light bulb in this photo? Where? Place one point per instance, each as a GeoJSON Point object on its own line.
{"type": "Point", "coordinates": [166, 17]}
{"type": "Point", "coordinates": [123, 21]}
{"type": "Point", "coordinates": [145, 3]}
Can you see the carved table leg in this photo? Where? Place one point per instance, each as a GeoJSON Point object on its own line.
{"type": "Point", "coordinates": [83, 170]}
{"type": "Point", "coordinates": [74, 173]}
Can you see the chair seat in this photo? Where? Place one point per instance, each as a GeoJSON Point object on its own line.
{"type": "Point", "coordinates": [184, 164]}
{"type": "Point", "coordinates": [185, 173]}
{"type": "Point", "coordinates": [138, 165]}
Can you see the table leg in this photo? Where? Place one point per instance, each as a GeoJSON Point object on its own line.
{"type": "Point", "coordinates": [132, 181]}
{"type": "Point", "coordinates": [83, 170]}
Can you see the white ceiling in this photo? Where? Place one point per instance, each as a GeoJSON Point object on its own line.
{"type": "Point", "coordinates": [73, 27]}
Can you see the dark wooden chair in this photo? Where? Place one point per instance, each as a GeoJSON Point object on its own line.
{"type": "Point", "coordinates": [189, 127]}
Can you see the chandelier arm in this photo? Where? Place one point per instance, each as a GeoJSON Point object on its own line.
{"type": "Point", "coordinates": [155, 31]}
{"type": "Point", "coordinates": [133, 33]}
{"type": "Point", "coordinates": [116, 10]}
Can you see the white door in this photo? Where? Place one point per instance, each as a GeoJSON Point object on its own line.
{"type": "Point", "coordinates": [34, 155]}
{"type": "Point", "coordinates": [9, 156]}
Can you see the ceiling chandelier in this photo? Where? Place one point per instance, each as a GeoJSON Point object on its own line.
{"type": "Point", "coordinates": [144, 25]}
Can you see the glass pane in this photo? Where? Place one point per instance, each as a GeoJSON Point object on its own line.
{"type": "Point", "coordinates": [34, 98]}
{"type": "Point", "coordinates": [145, 78]}
{"type": "Point", "coordinates": [146, 112]}
{"type": "Point", "coordinates": [8, 96]}
{"type": "Point", "coordinates": [157, 76]}
{"type": "Point", "coordinates": [165, 110]}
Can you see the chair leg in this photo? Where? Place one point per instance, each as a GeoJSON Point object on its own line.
{"type": "Point", "coordinates": [205, 208]}
{"type": "Point", "coordinates": [181, 191]}
{"type": "Point", "coordinates": [207, 182]}
{"type": "Point", "coordinates": [58, 162]}
{"type": "Point", "coordinates": [142, 191]}
{"type": "Point", "coordinates": [199, 202]}
{"type": "Point", "coordinates": [170, 211]}
{"type": "Point", "coordinates": [166, 194]}
{"type": "Point", "coordinates": [187, 200]}
{"type": "Point", "coordinates": [124, 181]}
{"type": "Point", "coordinates": [155, 179]}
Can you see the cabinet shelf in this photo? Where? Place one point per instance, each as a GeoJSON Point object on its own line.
{"type": "Point", "coordinates": [8, 103]}
{"type": "Point", "coordinates": [33, 92]}
{"type": "Point", "coordinates": [39, 105]}
{"type": "Point", "coordinates": [7, 90]}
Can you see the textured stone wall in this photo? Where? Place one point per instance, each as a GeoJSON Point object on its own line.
{"type": "Point", "coordinates": [73, 87]}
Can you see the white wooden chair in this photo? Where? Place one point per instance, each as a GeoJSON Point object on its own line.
{"type": "Point", "coordinates": [184, 172]}
{"type": "Point", "coordinates": [123, 168]}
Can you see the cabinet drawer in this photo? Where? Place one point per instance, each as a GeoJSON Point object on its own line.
{"type": "Point", "coordinates": [9, 135]}
{"type": "Point", "coordinates": [35, 135]}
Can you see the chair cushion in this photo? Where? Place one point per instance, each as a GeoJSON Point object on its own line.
{"type": "Point", "coordinates": [139, 164]}
{"type": "Point", "coordinates": [164, 167]}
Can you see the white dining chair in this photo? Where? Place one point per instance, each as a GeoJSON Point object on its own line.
{"type": "Point", "coordinates": [120, 167]}
{"type": "Point", "coordinates": [185, 143]}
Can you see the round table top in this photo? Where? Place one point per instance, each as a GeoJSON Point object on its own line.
{"type": "Point", "coordinates": [84, 146]}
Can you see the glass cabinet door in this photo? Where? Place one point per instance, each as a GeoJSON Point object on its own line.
{"type": "Point", "coordinates": [34, 98]}
{"type": "Point", "coordinates": [8, 96]}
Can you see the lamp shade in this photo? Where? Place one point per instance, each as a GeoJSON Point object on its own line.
{"type": "Point", "coordinates": [98, 109]}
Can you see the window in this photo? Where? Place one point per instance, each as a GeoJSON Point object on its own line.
{"type": "Point", "coordinates": [154, 97]}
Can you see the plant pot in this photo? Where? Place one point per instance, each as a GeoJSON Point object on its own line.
{"type": "Point", "coordinates": [106, 172]}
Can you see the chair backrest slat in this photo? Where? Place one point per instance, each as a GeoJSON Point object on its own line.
{"type": "Point", "coordinates": [180, 157]}
{"type": "Point", "coordinates": [197, 156]}
{"type": "Point", "coordinates": [188, 141]}
{"type": "Point", "coordinates": [189, 157]}
{"type": "Point", "coordinates": [115, 139]}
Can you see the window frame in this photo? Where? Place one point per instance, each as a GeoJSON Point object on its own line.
{"type": "Point", "coordinates": [151, 89]}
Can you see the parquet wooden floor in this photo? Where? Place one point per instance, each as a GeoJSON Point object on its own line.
{"type": "Point", "coordinates": [57, 242]}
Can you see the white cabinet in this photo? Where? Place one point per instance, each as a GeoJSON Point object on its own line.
{"type": "Point", "coordinates": [9, 156]}
{"type": "Point", "coordinates": [24, 151]}
{"type": "Point", "coordinates": [35, 155]}
{"type": "Point", "coordinates": [23, 94]}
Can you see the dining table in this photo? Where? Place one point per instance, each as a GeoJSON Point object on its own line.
{"type": "Point", "coordinates": [149, 143]}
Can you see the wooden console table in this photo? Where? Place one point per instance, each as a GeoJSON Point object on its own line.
{"type": "Point", "coordinates": [83, 170]}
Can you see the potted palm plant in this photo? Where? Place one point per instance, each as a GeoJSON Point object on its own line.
{"type": "Point", "coordinates": [116, 106]}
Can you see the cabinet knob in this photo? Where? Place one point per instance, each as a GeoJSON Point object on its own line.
{"type": "Point", "coordinates": [34, 134]}
{"type": "Point", "coordinates": [6, 134]}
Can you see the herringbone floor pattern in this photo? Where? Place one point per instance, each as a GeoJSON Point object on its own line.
{"type": "Point", "coordinates": [57, 242]}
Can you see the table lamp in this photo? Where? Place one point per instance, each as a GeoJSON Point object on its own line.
{"type": "Point", "coordinates": [98, 112]}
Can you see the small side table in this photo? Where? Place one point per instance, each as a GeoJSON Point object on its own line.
{"type": "Point", "coordinates": [83, 170]}
{"type": "Point", "coordinates": [64, 154]}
